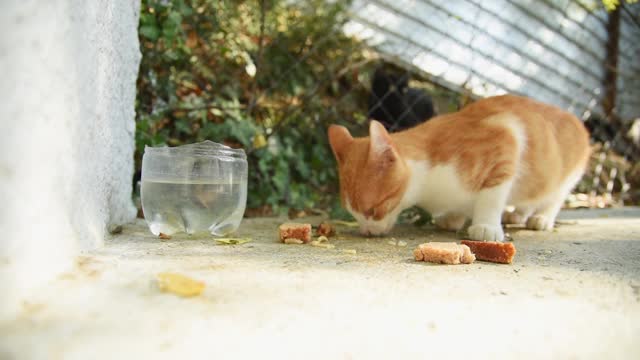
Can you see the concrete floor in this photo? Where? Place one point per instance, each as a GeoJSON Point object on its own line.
{"type": "Point", "coordinates": [571, 293]}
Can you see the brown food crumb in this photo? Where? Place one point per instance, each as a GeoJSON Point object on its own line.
{"type": "Point", "coordinates": [164, 236]}
{"type": "Point", "coordinates": [444, 253]}
{"type": "Point", "coordinates": [492, 251]}
{"type": "Point", "coordinates": [298, 231]}
{"type": "Point", "coordinates": [325, 229]}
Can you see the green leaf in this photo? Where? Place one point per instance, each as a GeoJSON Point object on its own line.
{"type": "Point", "coordinates": [172, 26]}
{"type": "Point", "coordinates": [183, 127]}
{"type": "Point", "coordinates": [233, 241]}
{"type": "Point", "coordinates": [280, 180]}
{"type": "Point", "coordinates": [151, 32]}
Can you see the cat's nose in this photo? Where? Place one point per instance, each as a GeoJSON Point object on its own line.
{"type": "Point", "coordinates": [365, 232]}
{"type": "Point", "coordinates": [372, 231]}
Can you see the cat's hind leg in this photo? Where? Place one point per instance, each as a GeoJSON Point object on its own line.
{"type": "Point", "coordinates": [487, 213]}
{"type": "Point", "coordinates": [544, 217]}
{"type": "Point", "coordinates": [518, 216]}
{"type": "Point", "coordinates": [450, 221]}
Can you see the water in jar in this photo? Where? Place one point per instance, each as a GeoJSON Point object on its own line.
{"type": "Point", "coordinates": [193, 206]}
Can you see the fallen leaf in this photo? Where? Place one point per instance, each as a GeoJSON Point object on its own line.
{"type": "Point", "coordinates": [164, 236]}
{"type": "Point", "coordinates": [349, 251]}
{"type": "Point", "coordinates": [395, 242]}
{"type": "Point", "coordinates": [233, 241]}
{"type": "Point", "coordinates": [345, 223]}
{"type": "Point", "coordinates": [179, 284]}
{"type": "Point", "coordinates": [322, 245]}
{"type": "Point", "coordinates": [293, 241]}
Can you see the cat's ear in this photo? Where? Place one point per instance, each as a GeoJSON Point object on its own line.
{"type": "Point", "coordinates": [381, 148]}
{"type": "Point", "coordinates": [339, 138]}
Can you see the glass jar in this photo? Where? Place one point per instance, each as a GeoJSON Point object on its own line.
{"type": "Point", "coordinates": [194, 188]}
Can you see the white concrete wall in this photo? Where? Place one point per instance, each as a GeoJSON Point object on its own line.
{"type": "Point", "coordinates": [66, 133]}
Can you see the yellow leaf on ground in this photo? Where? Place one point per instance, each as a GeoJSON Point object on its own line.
{"type": "Point", "coordinates": [232, 241]}
{"type": "Point", "coordinates": [345, 223]}
{"type": "Point", "coordinates": [179, 284]}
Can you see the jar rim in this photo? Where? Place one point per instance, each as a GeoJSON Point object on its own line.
{"type": "Point", "coordinates": [205, 148]}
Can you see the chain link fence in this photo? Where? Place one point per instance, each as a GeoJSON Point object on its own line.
{"type": "Point", "coordinates": [290, 68]}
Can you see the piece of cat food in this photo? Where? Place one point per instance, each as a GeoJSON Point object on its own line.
{"type": "Point", "coordinates": [444, 253]}
{"type": "Point", "coordinates": [325, 229]}
{"type": "Point", "coordinates": [492, 251]}
{"type": "Point", "coordinates": [298, 231]}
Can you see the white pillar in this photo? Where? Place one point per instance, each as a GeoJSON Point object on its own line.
{"type": "Point", "coordinates": [67, 125]}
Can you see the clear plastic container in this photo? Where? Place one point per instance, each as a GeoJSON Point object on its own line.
{"type": "Point", "coordinates": [194, 188]}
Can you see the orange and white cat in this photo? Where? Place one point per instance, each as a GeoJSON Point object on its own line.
{"type": "Point", "coordinates": [499, 151]}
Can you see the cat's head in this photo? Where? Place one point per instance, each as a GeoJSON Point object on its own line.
{"type": "Point", "coordinates": [373, 177]}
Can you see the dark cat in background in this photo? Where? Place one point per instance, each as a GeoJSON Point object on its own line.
{"type": "Point", "coordinates": [397, 106]}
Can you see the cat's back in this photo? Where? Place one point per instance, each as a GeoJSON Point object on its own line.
{"type": "Point", "coordinates": [546, 143]}
{"type": "Point", "coordinates": [550, 130]}
{"type": "Point", "coordinates": [525, 108]}
{"type": "Point", "coordinates": [536, 117]}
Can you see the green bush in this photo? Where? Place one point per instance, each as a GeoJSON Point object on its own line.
{"type": "Point", "coordinates": [267, 76]}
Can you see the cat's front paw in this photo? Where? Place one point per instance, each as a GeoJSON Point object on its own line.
{"type": "Point", "coordinates": [484, 232]}
{"type": "Point", "coordinates": [540, 222]}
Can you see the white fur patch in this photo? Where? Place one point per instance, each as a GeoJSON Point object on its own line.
{"type": "Point", "coordinates": [487, 213]}
{"type": "Point", "coordinates": [438, 189]}
{"type": "Point", "coordinates": [490, 204]}
{"type": "Point", "coordinates": [512, 123]}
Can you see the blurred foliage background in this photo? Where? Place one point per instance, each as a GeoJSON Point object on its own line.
{"type": "Point", "coordinates": [265, 76]}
